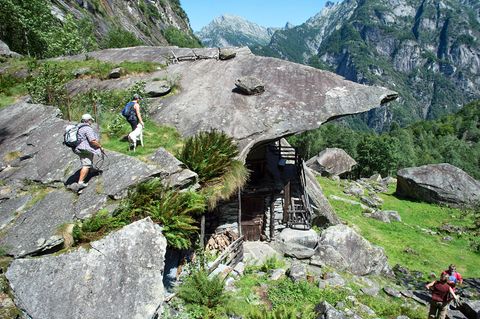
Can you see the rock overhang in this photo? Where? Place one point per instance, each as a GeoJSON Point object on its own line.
{"type": "Point", "coordinates": [297, 98]}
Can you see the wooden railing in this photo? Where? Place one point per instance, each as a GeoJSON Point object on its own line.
{"type": "Point", "coordinates": [231, 256]}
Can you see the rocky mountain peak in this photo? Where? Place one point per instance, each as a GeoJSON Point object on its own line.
{"type": "Point", "coordinates": [230, 30]}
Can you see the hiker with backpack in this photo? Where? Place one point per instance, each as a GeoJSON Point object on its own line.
{"type": "Point", "coordinates": [131, 112]}
{"type": "Point", "coordinates": [85, 143]}
{"type": "Point", "coordinates": [454, 277]}
{"type": "Point", "coordinates": [442, 294]}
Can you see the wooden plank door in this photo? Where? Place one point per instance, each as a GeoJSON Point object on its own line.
{"type": "Point", "coordinates": [253, 208]}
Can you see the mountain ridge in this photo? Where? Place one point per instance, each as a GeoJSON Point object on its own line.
{"type": "Point", "coordinates": [230, 30]}
{"type": "Point", "coordinates": [427, 51]}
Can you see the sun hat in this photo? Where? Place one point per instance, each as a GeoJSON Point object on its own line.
{"type": "Point", "coordinates": [86, 117]}
{"type": "Point", "coordinates": [137, 97]}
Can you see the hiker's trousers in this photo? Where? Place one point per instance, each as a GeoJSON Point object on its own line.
{"type": "Point", "coordinates": [438, 310]}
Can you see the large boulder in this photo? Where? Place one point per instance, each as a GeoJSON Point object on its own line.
{"type": "Point", "coordinates": [300, 244]}
{"type": "Point", "coordinates": [298, 98]}
{"type": "Point", "coordinates": [120, 276]}
{"type": "Point", "coordinates": [332, 162]}
{"type": "Point", "coordinates": [341, 247]}
{"type": "Point", "coordinates": [438, 183]}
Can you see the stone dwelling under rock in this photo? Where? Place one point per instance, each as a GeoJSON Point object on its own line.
{"type": "Point", "coordinates": [275, 197]}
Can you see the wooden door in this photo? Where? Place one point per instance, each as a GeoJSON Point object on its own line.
{"type": "Point", "coordinates": [253, 208]}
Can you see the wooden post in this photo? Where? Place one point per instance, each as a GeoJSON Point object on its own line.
{"type": "Point", "coordinates": [239, 213]}
{"type": "Point", "coordinates": [272, 217]}
{"type": "Point", "coordinates": [286, 202]}
{"type": "Point", "coordinates": [202, 232]}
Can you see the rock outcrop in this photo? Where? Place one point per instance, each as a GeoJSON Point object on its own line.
{"type": "Point", "coordinates": [148, 20]}
{"type": "Point", "coordinates": [38, 166]}
{"type": "Point", "coordinates": [344, 249]}
{"type": "Point", "coordinates": [120, 276]}
{"type": "Point", "coordinates": [332, 162]}
{"type": "Point", "coordinates": [297, 98]}
{"type": "Point", "coordinates": [438, 183]}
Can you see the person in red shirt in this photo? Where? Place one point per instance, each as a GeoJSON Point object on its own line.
{"type": "Point", "coordinates": [454, 277]}
{"type": "Point", "coordinates": [442, 294]}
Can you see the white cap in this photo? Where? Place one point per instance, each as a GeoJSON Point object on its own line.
{"type": "Point", "coordinates": [86, 117]}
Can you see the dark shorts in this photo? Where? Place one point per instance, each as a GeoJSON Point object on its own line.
{"type": "Point", "coordinates": [133, 123]}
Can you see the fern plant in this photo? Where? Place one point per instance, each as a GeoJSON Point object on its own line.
{"type": "Point", "coordinates": [202, 290]}
{"type": "Point", "coordinates": [209, 154]}
{"type": "Point", "coordinates": [172, 209]}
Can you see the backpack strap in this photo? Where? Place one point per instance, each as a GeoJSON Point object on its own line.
{"type": "Point", "coordinates": [79, 126]}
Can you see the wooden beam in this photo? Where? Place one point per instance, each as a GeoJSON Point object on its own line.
{"type": "Point", "coordinates": [239, 213]}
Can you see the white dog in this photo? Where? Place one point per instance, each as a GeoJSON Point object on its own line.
{"type": "Point", "coordinates": [136, 134]}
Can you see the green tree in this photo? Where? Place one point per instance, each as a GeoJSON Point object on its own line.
{"type": "Point", "coordinates": [377, 154]}
{"type": "Point", "coordinates": [65, 39]}
{"type": "Point", "coordinates": [180, 38]}
{"type": "Point", "coordinates": [118, 37]}
{"type": "Point", "coordinates": [26, 25]}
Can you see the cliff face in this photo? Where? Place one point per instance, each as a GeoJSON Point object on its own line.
{"type": "Point", "coordinates": [147, 19]}
{"type": "Point", "coordinates": [426, 50]}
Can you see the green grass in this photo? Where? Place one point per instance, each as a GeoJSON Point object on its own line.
{"type": "Point", "coordinates": [431, 253]}
{"type": "Point", "coordinates": [154, 136]}
{"type": "Point", "coordinates": [99, 69]}
{"type": "Point", "coordinates": [12, 87]}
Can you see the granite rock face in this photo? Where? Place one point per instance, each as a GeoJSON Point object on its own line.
{"type": "Point", "coordinates": [324, 213]}
{"type": "Point", "coordinates": [35, 230]}
{"type": "Point", "coordinates": [438, 183]}
{"type": "Point", "coordinates": [120, 276]}
{"type": "Point", "coordinates": [344, 249]}
{"type": "Point", "coordinates": [37, 168]}
{"type": "Point", "coordinates": [332, 162]}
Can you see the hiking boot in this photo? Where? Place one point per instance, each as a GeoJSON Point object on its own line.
{"type": "Point", "coordinates": [82, 185]}
{"type": "Point", "coordinates": [73, 187]}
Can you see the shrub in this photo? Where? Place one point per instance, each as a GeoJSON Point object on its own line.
{"type": "Point", "coordinates": [180, 38]}
{"type": "Point", "coordinates": [281, 313]}
{"type": "Point", "coordinates": [211, 155]}
{"type": "Point", "coordinates": [47, 87]}
{"type": "Point", "coordinates": [120, 38]}
{"type": "Point", "coordinates": [198, 289]}
{"type": "Point", "coordinates": [95, 227]}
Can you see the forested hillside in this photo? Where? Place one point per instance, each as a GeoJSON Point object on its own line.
{"type": "Point", "coordinates": [48, 28]}
{"type": "Point", "coordinates": [427, 51]}
{"type": "Point", "coordinates": [453, 139]}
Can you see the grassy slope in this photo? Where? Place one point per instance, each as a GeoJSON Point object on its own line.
{"type": "Point", "coordinates": [154, 136]}
{"type": "Point", "coordinates": [430, 252]}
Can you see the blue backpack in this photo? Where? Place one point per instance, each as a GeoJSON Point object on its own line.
{"type": "Point", "coordinates": [127, 110]}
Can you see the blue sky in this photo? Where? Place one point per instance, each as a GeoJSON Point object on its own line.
{"type": "Point", "coordinates": [267, 13]}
